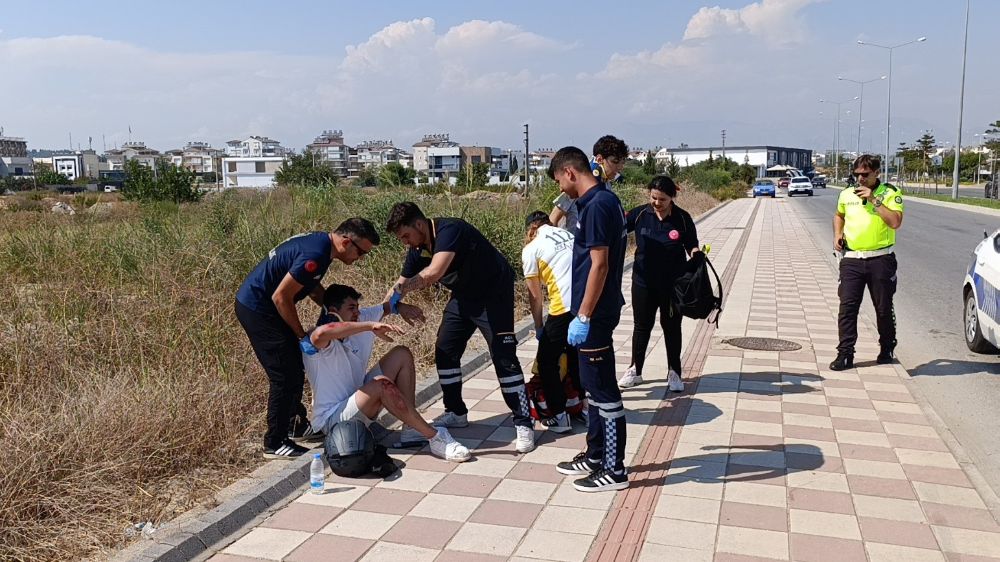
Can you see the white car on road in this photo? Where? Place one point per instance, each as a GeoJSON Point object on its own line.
{"type": "Point", "coordinates": [981, 296]}
{"type": "Point", "coordinates": [800, 184]}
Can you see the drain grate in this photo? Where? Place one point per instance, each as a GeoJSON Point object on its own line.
{"type": "Point", "coordinates": [763, 344]}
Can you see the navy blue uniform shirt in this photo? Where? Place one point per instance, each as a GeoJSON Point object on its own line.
{"type": "Point", "coordinates": [661, 246]}
{"type": "Point", "coordinates": [477, 268]}
{"type": "Point", "coordinates": [601, 223]}
{"type": "Point", "coordinates": [305, 256]}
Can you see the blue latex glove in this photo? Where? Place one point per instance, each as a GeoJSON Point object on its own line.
{"type": "Point", "coordinates": [539, 333]}
{"type": "Point", "coordinates": [394, 301]}
{"type": "Point", "coordinates": [305, 344]}
{"type": "Point", "coordinates": [577, 332]}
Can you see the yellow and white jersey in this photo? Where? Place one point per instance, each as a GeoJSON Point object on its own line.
{"type": "Point", "coordinates": [550, 258]}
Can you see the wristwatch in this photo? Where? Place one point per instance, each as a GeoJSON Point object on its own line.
{"type": "Point", "coordinates": [877, 202]}
{"type": "Point", "coordinates": [583, 318]}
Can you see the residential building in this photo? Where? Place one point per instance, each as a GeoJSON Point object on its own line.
{"type": "Point", "coordinates": [255, 147]}
{"type": "Point", "coordinates": [250, 172]}
{"type": "Point", "coordinates": [760, 157]}
{"type": "Point", "coordinates": [497, 159]}
{"type": "Point", "coordinates": [421, 162]}
{"type": "Point", "coordinates": [443, 161]}
{"type": "Point", "coordinates": [540, 160]}
{"type": "Point", "coordinates": [638, 154]}
{"type": "Point", "coordinates": [405, 158]}
{"type": "Point", "coordinates": [78, 164]}
{"type": "Point", "coordinates": [14, 159]}
{"type": "Point", "coordinates": [329, 148]}
{"type": "Point", "coordinates": [376, 153]}
{"type": "Point", "coordinates": [134, 150]}
{"type": "Point", "coordinates": [198, 157]}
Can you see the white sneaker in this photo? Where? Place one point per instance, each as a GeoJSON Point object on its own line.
{"type": "Point", "coordinates": [450, 419]}
{"type": "Point", "coordinates": [559, 423]}
{"type": "Point", "coordinates": [444, 445]}
{"type": "Point", "coordinates": [525, 441]}
{"type": "Point", "coordinates": [674, 381]}
{"type": "Point", "coordinates": [411, 435]}
{"type": "Point", "coordinates": [630, 378]}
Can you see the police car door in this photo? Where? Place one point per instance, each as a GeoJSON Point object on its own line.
{"type": "Point", "coordinates": [987, 281]}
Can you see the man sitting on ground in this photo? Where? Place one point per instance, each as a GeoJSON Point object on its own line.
{"type": "Point", "coordinates": [344, 388]}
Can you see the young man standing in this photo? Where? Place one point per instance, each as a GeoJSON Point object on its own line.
{"type": "Point", "coordinates": [864, 228]}
{"type": "Point", "coordinates": [547, 260]}
{"type": "Point", "coordinates": [598, 263]}
{"type": "Point", "coordinates": [265, 307]}
{"type": "Point", "coordinates": [610, 154]}
{"type": "Point", "coordinates": [343, 386]}
{"type": "Point", "coordinates": [452, 252]}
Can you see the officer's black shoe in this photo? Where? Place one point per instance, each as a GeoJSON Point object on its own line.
{"type": "Point", "coordinates": [842, 362]}
{"type": "Point", "coordinates": [885, 357]}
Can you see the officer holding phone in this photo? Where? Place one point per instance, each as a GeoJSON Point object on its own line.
{"type": "Point", "coordinates": [864, 230]}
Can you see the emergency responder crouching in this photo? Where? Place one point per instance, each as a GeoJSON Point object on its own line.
{"type": "Point", "coordinates": [864, 229]}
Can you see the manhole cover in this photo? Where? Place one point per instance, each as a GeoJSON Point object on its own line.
{"type": "Point", "coordinates": [764, 344]}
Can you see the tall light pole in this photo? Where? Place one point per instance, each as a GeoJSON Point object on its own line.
{"type": "Point", "coordinates": [961, 103]}
{"type": "Point", "coordinates": [861, 102]}
{"type": "Point", "coordinates": [836, 136]}
{"type": "Point", "coordinates": [888, 103]}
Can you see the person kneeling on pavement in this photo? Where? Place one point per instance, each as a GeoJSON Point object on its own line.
{"type": "Point", "coordinates": [343, 387]}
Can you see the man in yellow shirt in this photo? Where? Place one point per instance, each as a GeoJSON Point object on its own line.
{"type": "Point", "coordinates": [864, 229]}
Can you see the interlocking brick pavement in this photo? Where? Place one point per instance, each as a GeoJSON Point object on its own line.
{"type": "Point", "coordinates": [766, 455]}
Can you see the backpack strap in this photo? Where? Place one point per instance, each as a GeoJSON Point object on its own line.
{"type": "Point", "coordinates": [718, 282]}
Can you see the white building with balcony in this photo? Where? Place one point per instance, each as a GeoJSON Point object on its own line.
{"type": "Point", "coordinates": [329, 149]}
{"type": "Point", "coordinates": [254, 147]}
{"type": "Point", "coordinates": [443, 161]}
{"type": "Point", "coordinates": [198, 157]}
{"type": "Point", "coordinates": [135, 150]}
{"type": "Point", "coordinates": [376, 153]}
{"type": "Point", "coordinates": [252, 172]}
{"type": "Point", "coordinates": [421, 161]}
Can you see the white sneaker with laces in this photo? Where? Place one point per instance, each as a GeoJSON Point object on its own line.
{"type": "Point", "coordinates": [630, 378]}
{"type": "Point", "coordinates": [411, 435]}
{"type": "Point", "coordinates": [444, 445]}
{"type": "Point", "coordinates": [674, 381]}
{"type": "Point", "coordinates": [450, 419]}
{"type": "Point", "coordinates": [525, 441]}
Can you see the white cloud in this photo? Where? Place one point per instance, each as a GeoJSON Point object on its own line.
{"type": "Point", "coordinates": [776, 21]}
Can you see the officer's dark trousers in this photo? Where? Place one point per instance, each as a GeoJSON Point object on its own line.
{"type": "Point", "coordinates": [606, 433]}
{"type": "Point", "coordinates": [878, 274]}
{"type": "Point", "coordinates": [495, 320]}
{"type": "Point", "coordinates": [278, 351]}
{"type": "Point", "coordinates": [645, 303]}
{"type": "Point", "coordinates": [550, 349]}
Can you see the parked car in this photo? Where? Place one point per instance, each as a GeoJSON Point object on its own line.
{"type": "Point", "coordinates": [783, 182]}
{"type": "Point", "coordinates": [980, 293]}
{"type": "Point", "coordinates": [819, 182]}
{"type": "Point", "coordinates": [110, 189]}
{"type": "Point", "coordinates": [800, 184]}
{"type": "Point", "coordinates": [764, 188]}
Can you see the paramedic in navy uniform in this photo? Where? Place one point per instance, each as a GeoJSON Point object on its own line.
{"type": "Point", "coordinates": [598, 262]}
{"type": "Point", "coordinates": [265, 307]}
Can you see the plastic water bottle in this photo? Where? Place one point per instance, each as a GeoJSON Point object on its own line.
{"type": "Point", "coordinates": [317, 478]}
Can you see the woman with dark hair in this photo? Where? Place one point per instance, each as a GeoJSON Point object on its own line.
{"type": "Point", "coordinates": [665, 236]}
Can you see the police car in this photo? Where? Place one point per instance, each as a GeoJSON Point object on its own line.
{"type": "Point", "coordinates": [982, 297]}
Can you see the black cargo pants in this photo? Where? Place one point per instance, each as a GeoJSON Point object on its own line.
{"type": "Point", "coordinates": [878, 274]}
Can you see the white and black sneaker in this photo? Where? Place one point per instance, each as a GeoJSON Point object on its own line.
{"type": "Point", "coordinates": [602, 480]}
{"type": "Point", "coordinates": [559, 423]}
{"type": "Point", "coordinates": [579, 466]}
{"type": "Point", "coordinates": [286, 451]}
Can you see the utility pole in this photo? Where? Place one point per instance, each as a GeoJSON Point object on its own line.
{"type": "Point", "coordinates": [961, 103]}
{"type": "Point", "coordinates": [527, 161]}
{"type": "Point", "coordinates": [723, 144]}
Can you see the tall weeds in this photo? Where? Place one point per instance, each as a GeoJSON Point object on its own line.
{"type": "Point", "coordinates": [128, 391]}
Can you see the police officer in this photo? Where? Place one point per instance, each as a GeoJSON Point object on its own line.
{"type": "Point", "coordinates": [864, 229]}
{"type": "Point", "coordinates": [265, 307]}
{"type": "Point", "coordinates": [452, 252]}
{"type": "Point", "coordinates": [598, 263]}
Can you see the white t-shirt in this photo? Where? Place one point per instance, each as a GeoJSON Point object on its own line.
{"type": "Point", "coordinates": [338, 370]}
{"type": "Point", "coordinates": [550, 258]}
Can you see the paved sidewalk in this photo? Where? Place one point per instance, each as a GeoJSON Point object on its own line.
{"type": "Point", "coordinates": [765, 455]}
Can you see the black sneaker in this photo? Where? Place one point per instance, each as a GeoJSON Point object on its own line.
{"type": "Point", "coordinates": [306, 433]}
{"type": "Point", "coordinates": [885, 357]}
{"type": "Point", "coordinates": [602, 480]}
{"type": "Point", "coordinates": [842, 362]}
{"type": "Point", "coordinates": [286, 451]}
{"type": "Point", "coordinates": [579, 466]}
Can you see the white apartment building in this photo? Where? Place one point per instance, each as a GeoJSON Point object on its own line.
{"type": "Point", "coordinates": [135, 150]}
{"type": "Point", "coordinates": [329, 148]}
{"type": "Point", "coordinates": [198, 157]}
{"type": "Point", "coordinates": [250, 172]}
{"type": "Point", "coordinates": [420, 150]}
{"type": "Point", "coordinates": [376, 153]}
{"type": "Point", "coordinates": [254, 147]}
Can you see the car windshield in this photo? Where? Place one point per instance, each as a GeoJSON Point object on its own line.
{"type": "Point", "coordinates": [800, 179]}
{"type": "Point", "coordinates": [764, 182]}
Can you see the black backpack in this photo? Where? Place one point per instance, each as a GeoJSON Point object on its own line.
{"type": "Point", "coordinates": [693, 292]}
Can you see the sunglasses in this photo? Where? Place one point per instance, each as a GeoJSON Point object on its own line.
{"type": "Point", "coordinates": [862, 175]}
{"type": "Point", "coordinates": [361, 251]}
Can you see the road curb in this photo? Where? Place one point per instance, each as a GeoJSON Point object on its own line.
{"type": "Point", "coordinates": [206, 533]}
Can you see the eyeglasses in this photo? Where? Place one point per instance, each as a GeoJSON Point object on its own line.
{"type": "Point", "coordinates": [361, 251]}
{"type": "Point", "coordinates": [862, 175]}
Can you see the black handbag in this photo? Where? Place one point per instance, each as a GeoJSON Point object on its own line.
{"type": "Point", "coordinates": [694, 293]}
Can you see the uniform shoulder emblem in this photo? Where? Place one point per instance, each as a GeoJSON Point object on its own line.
{"type": "Point", "coordinates": [899, 200]}
{"type": "Point", "coordinates": [311, 266]}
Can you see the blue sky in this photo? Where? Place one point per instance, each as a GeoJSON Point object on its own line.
{"type": "Point", "coordinates": [653, 73]}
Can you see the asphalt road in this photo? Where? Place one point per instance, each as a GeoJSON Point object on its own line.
{"type": "Point", "coordinates": [934, 246]}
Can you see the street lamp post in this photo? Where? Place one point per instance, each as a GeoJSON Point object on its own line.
{"type": "Point", "coordinates": [888, 103]}
{"type": "Point", "coordinates": [861, 102]}
{"type": "Point", "coordinates": [836, 135]}
{"type": "Point", "coordinates": [961, 104]}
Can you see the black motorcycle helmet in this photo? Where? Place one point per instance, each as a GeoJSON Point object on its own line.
{"type": "Point", "coordinates": [350, 449]}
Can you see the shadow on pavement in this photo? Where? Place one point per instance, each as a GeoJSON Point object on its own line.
{"type": "Point", "coordinates": [949, 367]}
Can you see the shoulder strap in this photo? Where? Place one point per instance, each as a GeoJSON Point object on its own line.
{"type": "Point", "coordinates": [718, 282]}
